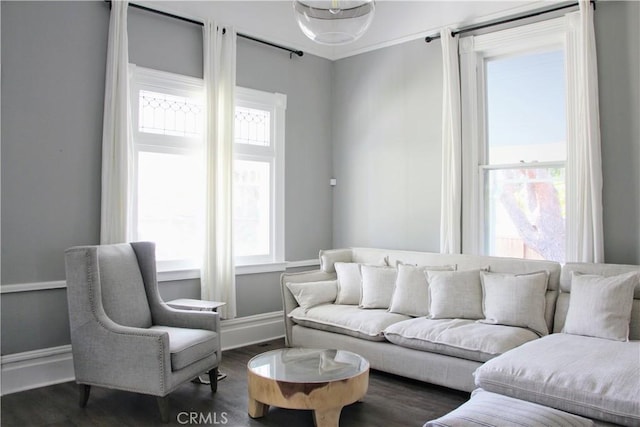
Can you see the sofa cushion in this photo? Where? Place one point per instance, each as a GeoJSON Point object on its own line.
{"type": "Point", "coordinates": [515, 300]}
{"type": "Point", "coordinates": [349, 283]}
{"type": "Point", "coordinates": [592, 377]}
{"type": "Point", "coordinates": [455, 294]}
{"type": "Point", "coordinates": [347, 320]}
{"type": "Point", "coordinates": [310, 294]}
{"type": "Point", "coordinates": [411, 290]}
{"type": "Point", "coordinates": [377, 286]}
{"type": "Point", "coordinates": [457, 337]}
{"type": "Point", "coordinates": [189, 345]}
{"type": "Point", "coordinates": [601, 306]}
{"type": "Point", "coordinates": [487, 409]}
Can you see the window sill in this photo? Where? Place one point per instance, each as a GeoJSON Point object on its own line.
{"type": "Point", "coordinates": [241, 270]}
{"type": "Point", "coordinates": [271, 267]}
{"type": "Point", "coordinates": [172, 275]}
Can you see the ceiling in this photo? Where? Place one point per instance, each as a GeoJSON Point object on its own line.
{"type": "Point", "coordinates": [395, 21]}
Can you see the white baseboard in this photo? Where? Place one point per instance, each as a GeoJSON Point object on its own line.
{"type": "Point", "coordinates": [48, 366]}
{"type": "Point", "coordinates": [37, 368]}
{"type": "Point", "coordinates": [249, 330]}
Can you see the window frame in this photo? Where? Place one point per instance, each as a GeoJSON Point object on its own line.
{"type": "Point", "coordinates": [142, 78]}
{"type": "Point", "coordinates": [274, 154]}
{"type": "Point", "coordinates": [474, 50]}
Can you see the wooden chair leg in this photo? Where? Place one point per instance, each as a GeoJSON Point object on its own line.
{"type": "Point", "coordinates": [84, 394]}
{"type": "Point", "coordinates": [163, 405]}
{"type": "Point", "coordinates": [213, 379]}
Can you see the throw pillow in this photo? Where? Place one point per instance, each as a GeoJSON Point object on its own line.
{"type": "Point", "coordinates": [411, 291]}
{"type": "Point", "coordinates": [377, 286]}
{"type": "Point", "coordinates": [601, 306]}
{"type": "Point", "coordinates": [455, 294]}
{"type": "Point", "coordinates": [515, 300]}
{"type": "Point", "coordinates": [349, 283]}
{"type": "Point", "coordinates": [310, 294]}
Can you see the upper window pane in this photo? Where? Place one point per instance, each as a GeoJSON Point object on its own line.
{"type": "Point", "coordinates": [526, 119]}
{"type": "Point", "coordinates": [253, 127]}
{"type": "Point", "coordinates": [165, 114]}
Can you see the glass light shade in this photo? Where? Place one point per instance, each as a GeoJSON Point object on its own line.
{"type": "Point", "coordinates": [334, 22]}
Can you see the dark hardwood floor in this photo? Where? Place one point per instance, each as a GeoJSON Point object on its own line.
{"type": "Point", "coordinates": [390, 401]}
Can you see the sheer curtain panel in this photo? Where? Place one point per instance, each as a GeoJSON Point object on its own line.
{"type": "Point", "coordinates": [116, 133]}
{"type": "Point", "coordinates": [584, 162]}
{"type": "Point", "coordinates": [218, 271]}
{"type": "Point", "coordinates": [451, 197]}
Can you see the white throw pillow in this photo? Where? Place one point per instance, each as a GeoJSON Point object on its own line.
{"type": "Point", "coordinates": [377, 286]}
{"type": "Point", "coordinates": [601, 306]}
{"type": "Point", "coordinates": [455, 294]}
{"type": "Point", "coordinates": [411, 291]}
{"type": "Point", "coordinates": [515, 300]}
{"type": "Point", "coordinates": [349, 283]}
{"type": "Point", "coordinates": [310, 294]}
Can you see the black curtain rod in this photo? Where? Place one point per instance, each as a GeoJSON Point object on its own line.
{"type": "Point", "coordinates": [470, 28]}
{"type": "Point", "coordinates": [193, 21]}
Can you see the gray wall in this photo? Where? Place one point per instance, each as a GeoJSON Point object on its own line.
{"type": "Point", "coordinates": [618, 44]}
{"type": "Point", "coordinates": [381, 110]}
{"type": "Point", "coordinates": [386, 153]}
{"type": "Point", "coordinates": [164, 43]}
{"type": "Point", "coordinates": [387, 130]}
{"type": "Point", "coordinates": [53, 67]}
{"type": "Point", "coordinates": [53, 56]}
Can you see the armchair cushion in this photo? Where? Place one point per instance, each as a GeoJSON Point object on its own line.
{"type": "Point", "coordinates": [189, 345]}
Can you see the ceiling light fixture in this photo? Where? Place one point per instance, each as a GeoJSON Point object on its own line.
{"type": "Point", "coordinates": [334, 22]}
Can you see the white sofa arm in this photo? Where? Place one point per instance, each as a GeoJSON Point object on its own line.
{"type": "Point", "coordinates": [289, 303]}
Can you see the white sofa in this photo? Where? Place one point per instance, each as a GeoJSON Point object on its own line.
{"type": "Point", "coordinates": [592, 377]}
{"type": "Point", "coordinates": [595, 376]}
{"type": "Point", "coordinates": [450, 351]}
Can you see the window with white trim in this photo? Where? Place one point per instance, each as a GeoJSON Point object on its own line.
{"type": "Point", "coordinates": [514, 97]}
{"type": "Point", "coordinates": [168, 169]}
{"type": "Point", "coordinates": [258, 177]}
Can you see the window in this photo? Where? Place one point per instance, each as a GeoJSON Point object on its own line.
{"type": "Point", "coordinates": [168, 174]}
{"type": "Point", "coordinates": [258, 177]}
{"type": "Point", "coordinates": [514, 91]}
{"type": "Point", "coordinates": [168, 170]}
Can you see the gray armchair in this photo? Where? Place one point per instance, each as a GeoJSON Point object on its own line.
{"type": "Point", "coordinates": [123, 336]}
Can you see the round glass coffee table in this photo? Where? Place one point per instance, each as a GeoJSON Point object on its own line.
{"type": "Point", "coordinates": [300, 378]}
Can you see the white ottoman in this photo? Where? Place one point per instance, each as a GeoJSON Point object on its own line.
{"type": "Point", "coordinates": [486, 409]}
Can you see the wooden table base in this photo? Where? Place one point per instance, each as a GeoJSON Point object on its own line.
{"type": "Point", "coordinates": [327, 417]}
{"type": "Point", "coordinates": [257, 409]}
{"type": "Point", "coordinates": [325, 399]}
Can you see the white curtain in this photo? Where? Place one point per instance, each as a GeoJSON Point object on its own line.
{"type": "Point", "coordinates": [451, 197]}
{"type": "Point", "coordinates": [116, 133]}
{"type": "Point", "coordinates": [218, 271]}
{"type": "Point", "coordinates": [584, 163]}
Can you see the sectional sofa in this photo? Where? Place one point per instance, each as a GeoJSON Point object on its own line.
{"type": "Point", "coordinates": [469, 322]}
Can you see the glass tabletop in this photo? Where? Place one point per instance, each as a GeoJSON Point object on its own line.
{"type": "Point", "coordinates": [308, 365]}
